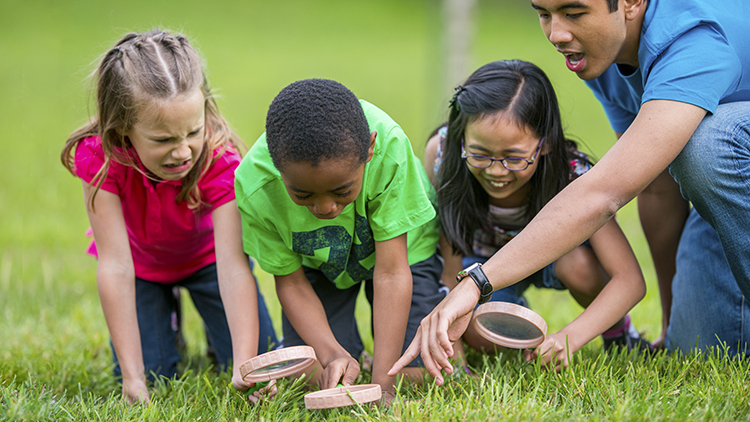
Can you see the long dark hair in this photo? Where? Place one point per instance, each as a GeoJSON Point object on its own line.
{"type": "Point", "coordinates": [524, 93]}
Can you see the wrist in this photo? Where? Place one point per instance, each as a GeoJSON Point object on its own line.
{"type": "Point", "coordinates": [331, 356]}
{"type": "Point", "coordinates": [479, 279]}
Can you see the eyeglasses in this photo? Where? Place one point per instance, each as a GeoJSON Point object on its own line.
{"type": "Point", "coordinates": [510, 163]}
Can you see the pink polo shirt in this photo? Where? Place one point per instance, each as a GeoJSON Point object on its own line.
{"type": "Point", "coordinates": [168, 240]}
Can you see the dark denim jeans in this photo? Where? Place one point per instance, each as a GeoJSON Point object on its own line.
{"type": "Point", "coordinates": [155, 303]}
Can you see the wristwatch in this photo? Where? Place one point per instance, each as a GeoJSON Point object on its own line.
{"type": "Point", "coordinates": [483, 283]}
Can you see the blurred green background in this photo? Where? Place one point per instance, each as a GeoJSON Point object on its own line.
{"type": "Point", "coordinates": [389, 52]}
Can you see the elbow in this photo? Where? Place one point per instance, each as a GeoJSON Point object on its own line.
{"type": "Point", "coordinates": [111, 272]}
{"type": "Point", "coordinates": [641, 289]}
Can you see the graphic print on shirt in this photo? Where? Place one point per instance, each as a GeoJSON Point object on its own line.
{"type": "Point", "coordinates": [343, 254]}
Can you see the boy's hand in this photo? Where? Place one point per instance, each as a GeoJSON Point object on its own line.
{"type": "Point", "coordinates": [344, 368]}
{"type": "Point", "coordinates": [554, 352]}
{"type": "Point", "coordinates": [135, 391]}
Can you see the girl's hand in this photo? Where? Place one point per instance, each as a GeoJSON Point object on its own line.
{"type": "Point", "coordinates": [342, 367]}
{"type": "Point", "coordinates": [239, 384]}
{"type": "Point", "coordinates": [554, 352]}
{"type": "Point", "coordinates": [265, 392]}
{"type": "Point", "coordinates": [659, 342]}
{"type": "Point", "coordinates": [135, 391]}
{"type": "Point", "coordinates": [439, 329]}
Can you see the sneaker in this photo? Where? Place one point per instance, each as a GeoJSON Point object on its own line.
{"type": "Point", "coordinates": [625, 336]}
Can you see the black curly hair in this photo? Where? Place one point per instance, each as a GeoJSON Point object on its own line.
{"type": "Point", "coordinates": [314, 120]}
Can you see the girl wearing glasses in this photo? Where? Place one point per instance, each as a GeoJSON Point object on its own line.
{"type": "Point", "coordinates": [499, 160]}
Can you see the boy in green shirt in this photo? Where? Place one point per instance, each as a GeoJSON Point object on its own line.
{"type": "Point", "coordinates": [332, 196]}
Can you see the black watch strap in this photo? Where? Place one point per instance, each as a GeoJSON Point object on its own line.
{"type": "Point", "coordinates": [480, 279]}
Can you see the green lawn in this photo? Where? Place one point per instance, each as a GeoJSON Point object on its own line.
{"type": "Point", "coordinates": [54, 351]}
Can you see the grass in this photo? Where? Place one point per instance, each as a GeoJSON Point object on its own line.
{"type": "Point", "coordinates": [54, 353]}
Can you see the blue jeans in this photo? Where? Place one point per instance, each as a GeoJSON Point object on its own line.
{"type": "Point", "coordinates": [154, 304]}
{"type": "Point", "coordinates": [708, 308]}
{"type": "Point", "coordinates": [713, 171]}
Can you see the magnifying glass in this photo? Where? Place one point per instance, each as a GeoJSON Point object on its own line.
{"type": "Point", "coordinates": [343, 396]}
{"type": "Point", "coordinates": [510, 325]}
{"type": "Point", "coordinates": [277, 364]}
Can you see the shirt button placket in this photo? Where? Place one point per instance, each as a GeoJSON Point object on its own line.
{"type": "Point", "coordinates": [156, 213]}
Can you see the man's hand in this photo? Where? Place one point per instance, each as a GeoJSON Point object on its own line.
{"type": "Point", "coordinates": [439, 329]}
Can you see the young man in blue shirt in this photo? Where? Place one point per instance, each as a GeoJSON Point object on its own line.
{"type": "Point", "coordinates": [674, 79]}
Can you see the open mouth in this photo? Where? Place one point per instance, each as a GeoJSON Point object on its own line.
{"type": "Point", "coordinates": [497, 185]}
{"type": "Point", "coordinates": [177, 167]}
{"type": "Point", "coordinates": [574, 61]}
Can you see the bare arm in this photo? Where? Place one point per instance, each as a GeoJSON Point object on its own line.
{"type": "Point", "coordinates": [392, 288]}
{"type": "Point", "coordinates": [115, 280]}
{"type": "Point", "coordinates": [237, 287]}
{"type": "Point", "coordinates": [452, 260]}
{"type": "Point", "coordinates": [430, 153]}
{"type": "Point", "coordinates": [658, 134]}
{"type": "Point", "coordinates": [624, 290]}
{"type": "Point", "coordinates": [307, 315]}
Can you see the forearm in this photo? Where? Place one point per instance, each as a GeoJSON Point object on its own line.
{"type": "Point", "coordinates": [117, 295]}
{"type": "Point", "coordinates": [617, 298]}
{"type": "Point", "coordinates": [653, 140]}
{"type": "Point", "coordinates": [240, 298]}
{"type": "Point", "coordinates": [391, 304]}
{"type": "Point", "coordinates": [307, 315]}
{"type": "Point", "coordinates": [562, 225]}
{"type": "Point", "coordinates": [236, 283]}
{"type": "Point", "coordinates": [452, 263]}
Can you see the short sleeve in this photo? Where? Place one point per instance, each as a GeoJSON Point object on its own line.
{"type": "Point", "coordinates": [217, 185]}
{"type": "Point", "coordinates": [398, 199]}
{"type": "Point", "coordinates": [685, 73]}
{"type": "Point", "coordinates": [89, 159]}
{"type": "Point", "coordinates": [261, 237]}
{"type": "Point", "coordinates": [618, 98]}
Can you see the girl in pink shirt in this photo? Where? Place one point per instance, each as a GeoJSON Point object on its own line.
{"type": "Point", "coordinates": [157, 164]}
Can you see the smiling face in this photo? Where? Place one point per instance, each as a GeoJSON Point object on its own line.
{"type": "Point", "coordinates": [589, 36]}
{"type": "Point", "coordinates": [169, 135]}
{"type": "Point", "coordinates": [497, 136]}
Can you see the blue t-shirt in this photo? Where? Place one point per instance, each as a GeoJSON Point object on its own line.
{"type": "Point", "coordinates": [692, 51]}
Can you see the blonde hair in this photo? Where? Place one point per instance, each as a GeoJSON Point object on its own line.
{"type": "Point", "coordinates": [140, 70]}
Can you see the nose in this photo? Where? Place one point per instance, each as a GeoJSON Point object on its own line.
{"type": "Point", "coordinates": [324, 206]}
{"type": "Point", "coordinates": [497, 168]}
{"type": "Point", "coordinates": [182, 151]}
{"type": "Point", "coordinates": [558, 32]}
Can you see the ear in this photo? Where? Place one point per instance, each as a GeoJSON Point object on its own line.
{"type": "Point", "coordinates": [373, 136]}
{"type": "Point", "coordinates": [633, 8]}
{"type": "Point", "coordinates": [124, 136]}
{"type": "Point", "coordinates": [545, 149]}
